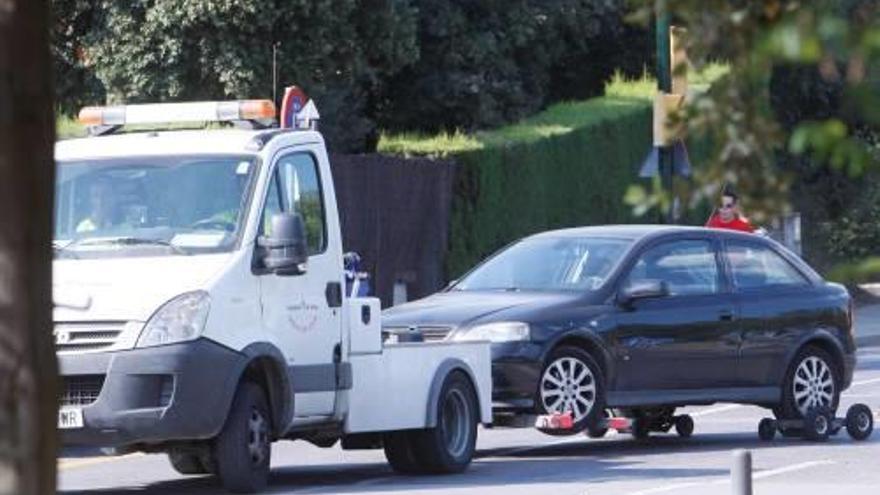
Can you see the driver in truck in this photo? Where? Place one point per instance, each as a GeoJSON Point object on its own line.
{"type": "Point", "coordinates": [102, 207]}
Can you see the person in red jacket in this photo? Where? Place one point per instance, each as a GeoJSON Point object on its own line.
{"type": "Point", "coordinates": [728, 215]}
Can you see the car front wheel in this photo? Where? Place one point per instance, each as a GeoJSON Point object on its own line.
{"type": "Point", "coordinates": [572, 382]}
{"type": "Point", "coordinates": [811, 382]}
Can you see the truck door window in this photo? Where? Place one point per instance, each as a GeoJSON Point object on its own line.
{"type": "Point", "coordinates": [296, 188]}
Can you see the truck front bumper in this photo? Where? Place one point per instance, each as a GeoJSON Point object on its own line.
{"type": "Point", "coordinates": [150, 396]}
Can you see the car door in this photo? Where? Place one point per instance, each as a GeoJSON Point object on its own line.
{"type": "Point", "coordinates": [688, 339]}
{"type": "Point", "coordinates": [778, 303]}
{"type": "Point", "coordinates": [303, 311]}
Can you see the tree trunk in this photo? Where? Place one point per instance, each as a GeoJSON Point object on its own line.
{"type": "Point", "coordinates": [28, 368]}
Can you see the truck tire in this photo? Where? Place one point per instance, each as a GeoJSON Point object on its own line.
{"type": "Point", "coordinates": [400, 452]}
{"type": "Point", "coordinates": [243, 448]}
{"type": "Point", "coordinates": [811, 377]}
{"type": "Point", "coordinates": [449, 446]}
{"type": "Point", "coordinates": [187, 463]}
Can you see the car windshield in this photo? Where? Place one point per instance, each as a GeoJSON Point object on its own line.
{"type": "Point", "coordinates": [150, 206]}
{"type": "Point", "coordinates": [548, 264]}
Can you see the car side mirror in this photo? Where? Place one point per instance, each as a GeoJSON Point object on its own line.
{"type": "Point", "coordinates": [285, 252]}
{"type": "Point", "coordinates": [645, 289]}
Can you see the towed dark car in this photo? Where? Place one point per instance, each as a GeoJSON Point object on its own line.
{"type": "Point", "coordinates": [646, 319]}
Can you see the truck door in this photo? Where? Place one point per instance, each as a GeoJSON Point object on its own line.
{"type": "Point", "coordinates": [303, 311]}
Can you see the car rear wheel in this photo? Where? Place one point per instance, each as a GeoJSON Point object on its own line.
{"type": "Point", "coordinates": [572, 382]}
{"type": "Point", "coordinates": [810, 382]}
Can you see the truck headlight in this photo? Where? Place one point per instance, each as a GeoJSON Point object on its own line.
{"type": "Point", "coordinates": [178, 320]}
{"type": "Point", "coordinates": [504, 331]}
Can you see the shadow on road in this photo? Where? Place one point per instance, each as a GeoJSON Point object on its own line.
{"type": "Point", "coordinates": [577, 462]}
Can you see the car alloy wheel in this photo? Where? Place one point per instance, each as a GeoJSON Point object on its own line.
{"type": "Point", "coordinates": [568, 384]}
{"type": "Point", "coordinates": [812, 385]}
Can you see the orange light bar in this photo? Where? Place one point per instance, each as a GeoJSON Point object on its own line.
{"type": "Point", "coordinates": [91, 116]}
{"type": "Point", "coordinates": [256, 110]}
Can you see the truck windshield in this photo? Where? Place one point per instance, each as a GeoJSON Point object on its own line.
{"type": "Point", "coordinates": [150, 206]}
{"type": "Point", "coordinates": [548, 264]}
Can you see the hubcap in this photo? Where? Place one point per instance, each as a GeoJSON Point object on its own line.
{"type": "Point", "coordinates": [813, 385]}
{"type": "Point", "coordinates": [258, 437]}
{"type": "Point", "coordinates": [568, 385]}
{"type": "Point", "coordinates": [863, 421]}
{"type": "Point", "coordinates": [456, 418]}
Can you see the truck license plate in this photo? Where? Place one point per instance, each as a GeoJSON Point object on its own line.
{"type": "Point", "coordinates": [70, 418]}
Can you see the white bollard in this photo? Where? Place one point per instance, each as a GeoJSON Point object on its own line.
{"type": "Point", "coordinates": [741, 473]}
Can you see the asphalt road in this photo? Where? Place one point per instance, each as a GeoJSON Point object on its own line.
{"type": "Point", "coordinates": [524, 461]}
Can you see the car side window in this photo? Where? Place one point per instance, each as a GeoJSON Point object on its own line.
{"type": "Point", "coordinates": [688, 267]}
{"type": "Point", "coordinates": [755, 266]}
{"type": "Point", "coordinates": [296, 188]}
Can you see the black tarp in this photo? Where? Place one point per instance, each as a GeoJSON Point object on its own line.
{"type": "Point", "coordinates": [395, 213]}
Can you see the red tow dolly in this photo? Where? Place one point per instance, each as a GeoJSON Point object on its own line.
{"type": "Point", "coordinates": [819, 423]}
{"type": "Point", "coordinates": [638, 427]}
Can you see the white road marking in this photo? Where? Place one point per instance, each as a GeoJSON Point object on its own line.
{"type": "Point", "coordinates": [720, 481]}
{"type": "Point", "coordinates": [69, 463]}
{"type": "Point", "coordinates": [715, 410]}
{"type": "Point", "coordinates": [865, 382]}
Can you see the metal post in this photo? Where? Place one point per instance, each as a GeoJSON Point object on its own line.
{"type": "Point", "coordinates": [741, 473]}
{"type": "Point", "coordinates": [664, 85]}
{"type": "Point", "coordinates": [275, 46]}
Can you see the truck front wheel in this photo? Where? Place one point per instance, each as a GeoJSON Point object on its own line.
{"type": "Point", "coordinates": [449, 446]}
{"type": "Point", "coordinates": [243, 448]}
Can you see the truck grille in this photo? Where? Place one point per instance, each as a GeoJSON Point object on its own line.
{"type": "Point", "coordinates": [87, 336]}
{"type": "Point", "coordinates": [81, 390]}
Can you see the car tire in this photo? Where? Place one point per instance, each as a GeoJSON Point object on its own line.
{"type": "Point", "coordinates": [243, 449]}
{"type": "Point", "coordinates": [187, 463]}
{"type": "Point", "coordinates": [449, 446]}
{"type": "Point", "coordinates": [571, 380]}
{"type": "Point", "coordinates": [400, 452]}
{"type": "Point", "coordinates": [801, 387]}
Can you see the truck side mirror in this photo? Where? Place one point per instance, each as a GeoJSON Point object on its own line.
{"type": "Point", "coordinates": [285, 251]}
{"type": "Point", "coordinates": [645, 289]}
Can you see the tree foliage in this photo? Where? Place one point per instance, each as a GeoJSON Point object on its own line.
{"type": "Point", "coordinates": [802, 92]}
{"type": "Point", "coordinates": [402, 64]}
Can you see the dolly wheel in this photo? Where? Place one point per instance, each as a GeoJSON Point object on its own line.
{"type": "Point", "coordinates": [684, 426]}
{"type": "Point", "coordinates": [859, 422]}
{"type": "Point", "coordinates": [767, 429]}
{"type": "Point", "coordinates": [817, 424]}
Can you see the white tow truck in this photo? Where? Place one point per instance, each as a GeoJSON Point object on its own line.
{"type": "Point", "coordinates": [200, 307]}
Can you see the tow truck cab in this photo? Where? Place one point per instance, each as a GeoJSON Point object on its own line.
{"type": "Point", "coordinates": [200, 309]}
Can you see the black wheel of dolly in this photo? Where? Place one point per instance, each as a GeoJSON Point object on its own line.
{"type": "Point", "coordinates": [243, 448]}
{"type": "Point", "coordinates": [684, 426]}
{"type": "Point", "coordinates": [817, 424]}
{"type": "Point", "coordinates": [767, 429]}
{"type": "Point", "coordinates": [859, 422]}
{"type": "Point", "coordinates": [602, 430]}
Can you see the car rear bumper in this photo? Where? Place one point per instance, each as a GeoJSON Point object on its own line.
{"type": "Point", "coordinates": [150, 396]}
{"type": "Point", "coordinates": [849, 366]}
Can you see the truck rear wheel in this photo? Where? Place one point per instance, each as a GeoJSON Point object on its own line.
{"type": "Point", "coordinates": [400, 452]}
{"type": "Point", "coordinates": [243, 448]}
{"type": "Point", "coordinates": [187, 463]}
{"type": "Point", "coordinates": [449, 446]}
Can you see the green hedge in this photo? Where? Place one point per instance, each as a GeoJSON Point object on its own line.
{"type": "Point", "coordinates": [504, 192]}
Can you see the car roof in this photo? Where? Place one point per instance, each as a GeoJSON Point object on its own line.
{"type": "Point", "coordinates": [179, 142]}
{"type": "Point", "coordinates": [632, 232]}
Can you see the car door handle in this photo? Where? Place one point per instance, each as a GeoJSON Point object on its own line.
{"type": "Point", "coordinates": [725, 315]}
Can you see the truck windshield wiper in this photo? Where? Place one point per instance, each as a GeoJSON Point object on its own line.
{"type": "Point", "coordinates": [124, 241]}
